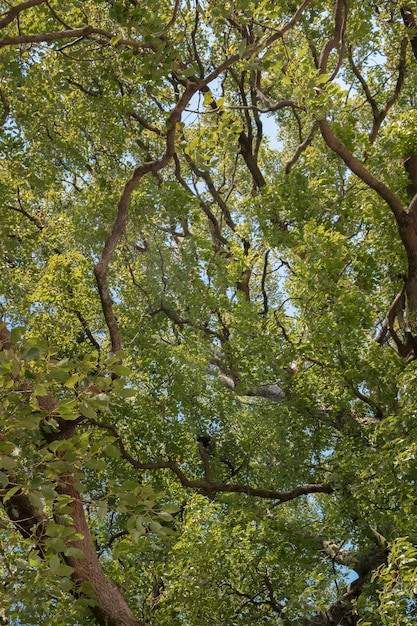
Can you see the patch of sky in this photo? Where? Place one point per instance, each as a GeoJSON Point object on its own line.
{"type": "Point", "coordinates": [270, 130]}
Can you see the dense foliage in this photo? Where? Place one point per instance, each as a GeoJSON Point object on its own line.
{"type": "Point", "coordinates": [209, 297]}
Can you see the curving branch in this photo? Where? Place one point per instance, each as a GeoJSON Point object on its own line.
{"type": "Point", "coordinates": [361, 171]}
{"type": "Point", "coordinates": [406, 219]}
{"type": "Point", "coordinates": [56, 16]}
{"type": "Point", "coordinates": [119, 227]}
{"type": "Point", "coordinates": [14, 12]}
{"type": "Point", "coordinates": [210, 487]}
{"type": "Point", "coordinates": [411, 25]}
{"type": "Point", "coordinates": [215, 230]}
{"type": "Point", "coordinates": [300, 149]}
{"type": "Point", "coordinates": [340, 17]}
{"type": "Point", "coordinates": [279, 33]}
{"type": "Point", "coordinates": [110, 608]}
{"type": "Point", "coordinates": [380, 114]}
{"type": "Point", "coordinates": [336, 145]}
{"type": "Point", "coordinates": [173, 17]}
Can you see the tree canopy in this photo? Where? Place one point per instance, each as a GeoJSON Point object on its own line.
{"type": "Point", "coordinates": [208, 295]}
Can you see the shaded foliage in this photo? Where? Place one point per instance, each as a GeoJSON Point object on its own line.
{"type": "Point", "coordinates": [209, 298]}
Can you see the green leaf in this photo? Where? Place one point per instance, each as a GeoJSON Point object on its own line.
{"type": "Point", "coordinates": [112, 451]}
{"type": "Point", "coordinates": [115, 40]}
{"type": "Point", "coordinates": [39, 390]}
{"type": "Point", "coordinates": [4, 480]}
{"type": "Point", "coordinates": [121, 370]}
{"type": "Point", "coordinates": [170, 508]}
{"type": "Point", "coordinates": [35, 500]}
{"type": "Point", "coordinates": [56, 544]}
{"type": "Point", "coordinates": [7, 462]}
{"type": "Point", "coordinates": [34, 560]}
{"type": "Point", "coordinates": [87, 410]}
{"type": "Point", "coordinates": [11, 492]}
{"type": "Point", "coordinates": [75, 552]}
{"type": "Point", "coordinates": [7, 447]}
{"type": "Point", "coordinates": [127, 393]}
{"type": "Point", "coordinates": [16, 333]}
{"type": "Point", "coordinates": [167, 517]}
{"type": "Point", "coordinates": [102, 508]}
{"type": "Point", "coordinates": [33, 353]}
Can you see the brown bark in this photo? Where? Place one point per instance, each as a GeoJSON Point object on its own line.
{"type": "Point", "coordinates": [405, 218]}
{"type": "Point", "coordinates": [410, 23]}
{"type": "Point", "coordinates": [410, 165]}
{"type": "Point", "coordinates": [407, 228]}
{"type": "Point", "coordinates": [13, 13]}
{"type": "Point", "coordinates": [111, 608]}
{"type": "Point", "coordinates": [211, 487]}
{"type": "Point", "coordinates": [250, 160]}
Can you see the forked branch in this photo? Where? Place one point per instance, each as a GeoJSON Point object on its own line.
{"type": "Point", "coordinates": [210, 487]}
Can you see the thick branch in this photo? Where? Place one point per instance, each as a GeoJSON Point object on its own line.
{"type": "Point", "coordinates": [250, 160]}
{"type": "Point", "coordinates": [360, 170]}
{"type": "Point", "coordinates": [337, 146]}
{"type": "Point", "coordinates": [410, 23]}
{"type": "Point", "coordinates": [46, 37]}
{"type": "Point", "coordinates": [212, 487]}
{"type": "Point", "coordinates": [340, 13]}
{"type": "Point", "coordinates": [406, 220]}
{"type": "Point", "coordinates": [340, 611]}
{"type": "Point", "coordinates": [361, 562]}
{"type": "Point", "coordinates": [119, 226]}
{"type": "Point", "coordinates": [30, 522]}
{"type": "Point", "coordinates": [13, 13]}
{"type": "Point", "coordinates": [104, 38]}
{"type": "Point", "coordinates": [111, 608]}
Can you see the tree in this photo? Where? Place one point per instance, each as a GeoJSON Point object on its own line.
{"type": "Point", "coordinates": [208, 344]}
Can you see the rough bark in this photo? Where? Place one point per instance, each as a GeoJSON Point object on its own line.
{"type": "Point", "coordinates": [111, 608]}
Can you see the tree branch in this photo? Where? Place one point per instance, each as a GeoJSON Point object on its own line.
{"type": "Point", "coordinates": [361, 171]}
{"type": "Point", "coordinates": [336, 145]}
{"type": "Point", "coordinates": [46, 37]}
{"type": "Point", "coordinates": [173, 17]}
{"type": "Point", "coordinates": [301, 148]}
{"type": "Point", "coordinates": [411, 25]}
{"type": "Point", "coordinates": [340, 14]}
{"type": "Point", "coordinates": [6, 108]}
{"type": "Point", "coordinates": [380, 115]}
{"type": "Point", "coordinates": [111, 608]}
{"type": "Point", "coordinates": [119, 227]}
{"type": "Point", "coordinates": [209, 486]}
{"type": "Point", "coordinates": [14, 12]}
{"type": "Point", "coordinates": [105, 38]}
